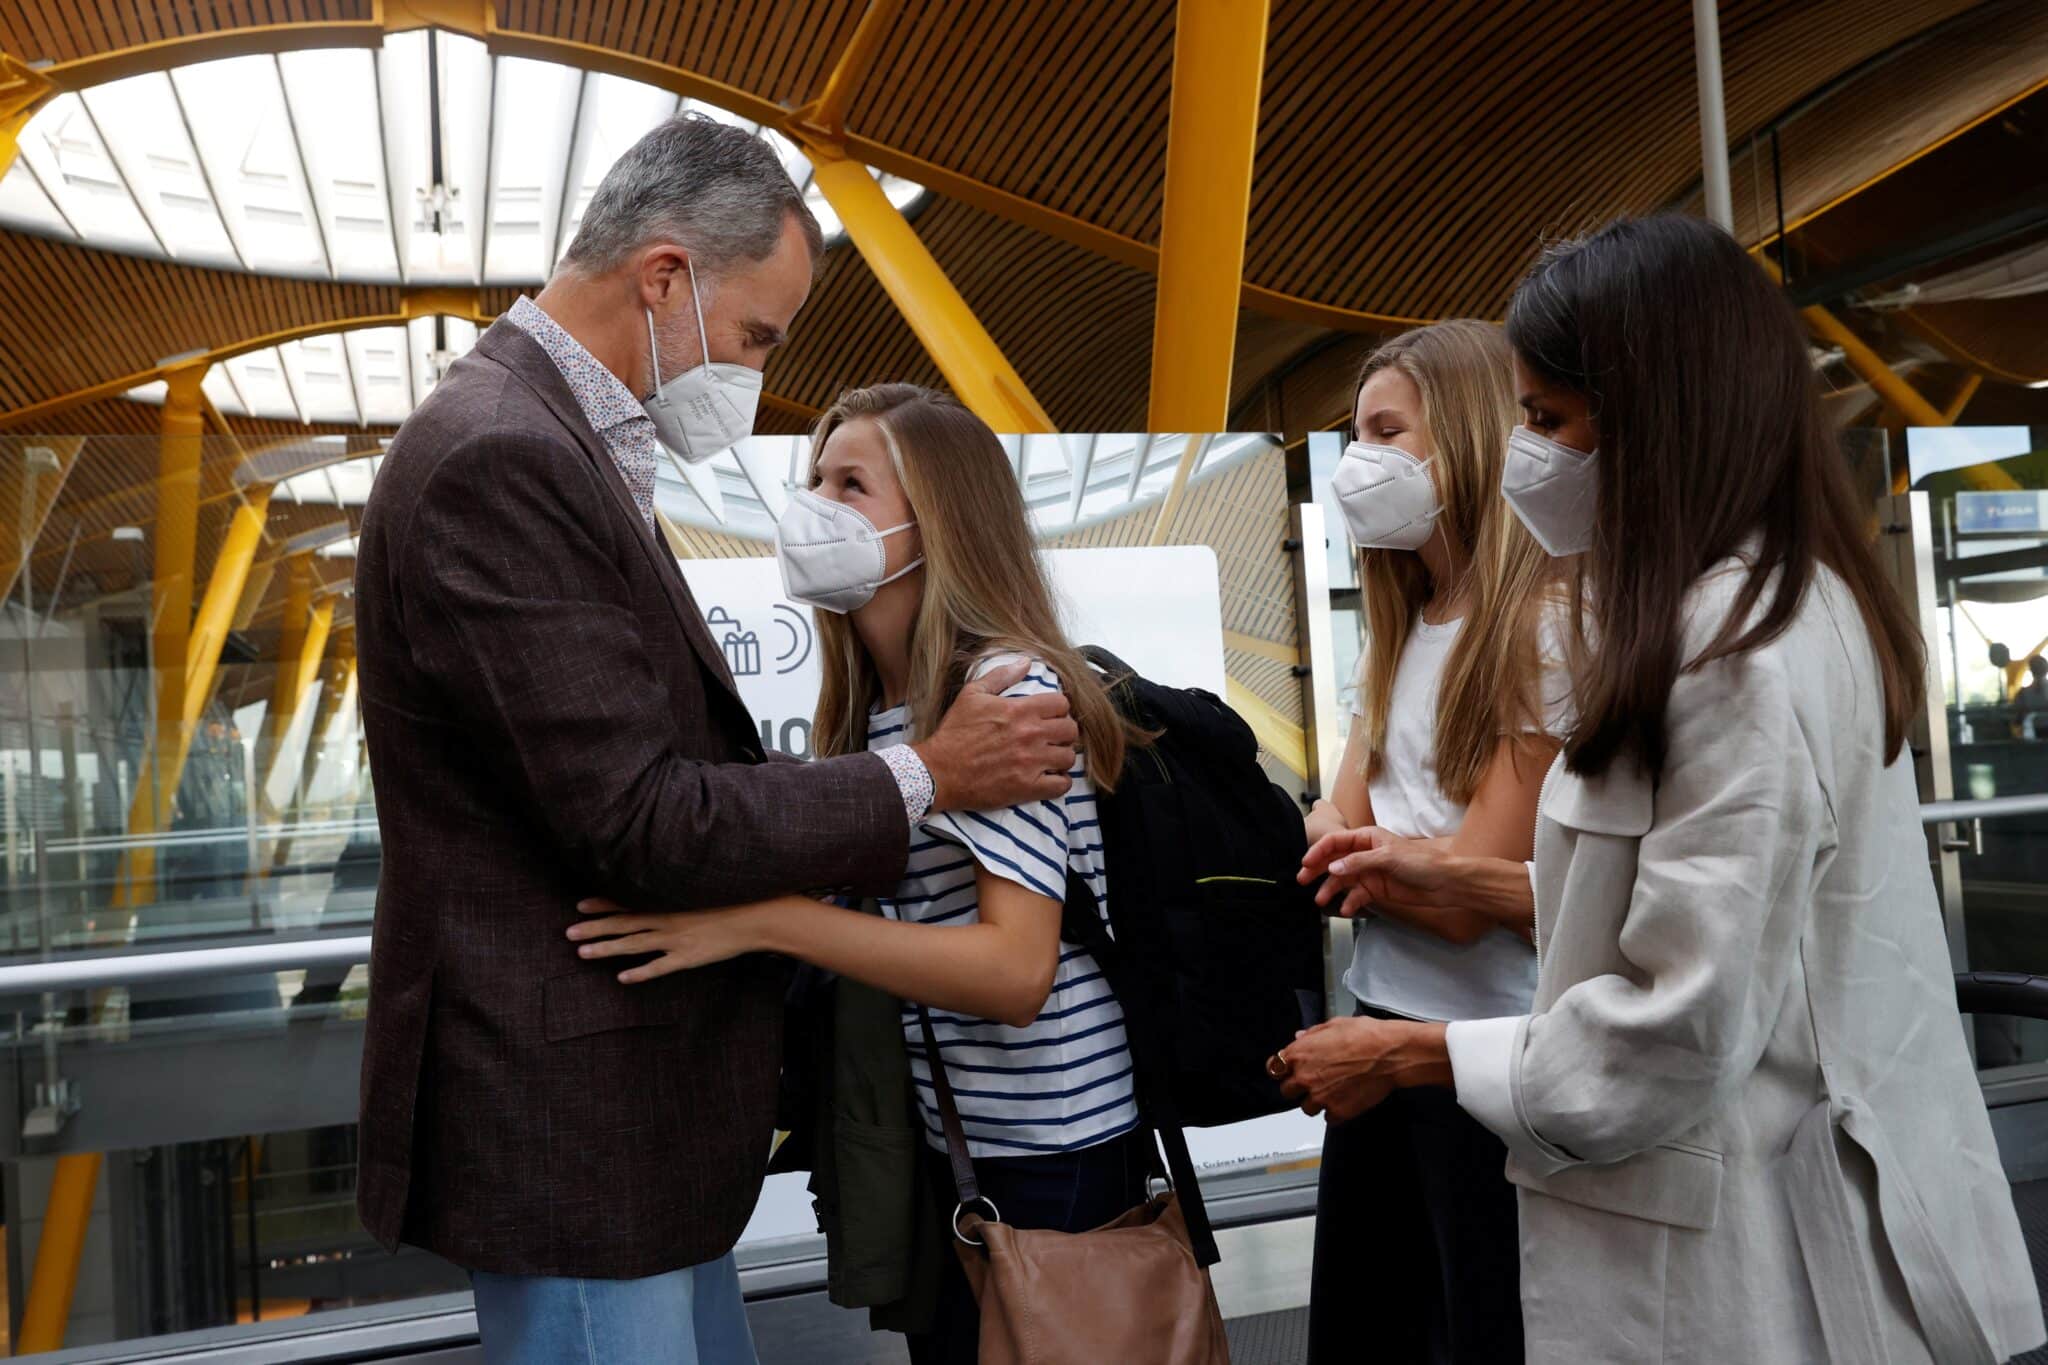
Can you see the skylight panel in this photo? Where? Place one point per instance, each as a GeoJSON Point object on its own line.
{"type": "Point", "coordinates": [144, 129]}
{"type": "Point", "coordinates": [536, 105]}
{"type": "Point", "coordinates": [332, 94]}
{"type": "Point", "coordinates": [244, 136]}
{"type": "Point", "coordinates": [63, 147]}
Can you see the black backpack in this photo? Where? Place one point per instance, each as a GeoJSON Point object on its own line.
{"type": "Point", "coordinates": [1217, 957]}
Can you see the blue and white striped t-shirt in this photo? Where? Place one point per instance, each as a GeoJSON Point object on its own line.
{"type": "Point", "coordinates": [1064, 1082]}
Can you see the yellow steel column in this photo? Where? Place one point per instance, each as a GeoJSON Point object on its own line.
{"type": "Point", "coordinates": [291, 640]}
{"type": "Point", "coordinates": [1276, 734]}
{"type": "Point", "coordinates": [1968, 390]}
{"type": "Point", "coordinates": [176, 535]}
{"type": "Point", "coordinates": [1190, 456]}
{"type": "Point", "coordinates": [340, 670]}
{"type": "Point", "coordinates": [223, 594]}
{"type": "Point", "coordinates": [23, 89]}
{"type": "Point", "coordinates": [1868, 364]}
{"type": "Point", "coordinates": [963, 350]}
{"type": "Point", "coordinates": [828, 111]}
{"type": "Point", "coordinates": [295, 675]}
{"type": "Point", "coordinates": [1219, 59]}
{"type": "Point", "coordinates": [58, 1249]}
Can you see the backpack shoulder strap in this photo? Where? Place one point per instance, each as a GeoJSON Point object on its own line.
{"type": "Point", "coordinates": [1081, 924]}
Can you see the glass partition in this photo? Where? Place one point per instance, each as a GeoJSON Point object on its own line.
{"type": "Point", "coordinates": [1988, 498]}
{"type": "Point", "coordinates": [178, 1154]}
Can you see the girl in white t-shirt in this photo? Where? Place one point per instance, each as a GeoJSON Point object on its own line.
{"type": "Point", "coordinates": [1460, 701]}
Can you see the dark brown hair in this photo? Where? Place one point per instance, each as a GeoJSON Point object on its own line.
{"type": "Point", "coordinates": [1711, 432]}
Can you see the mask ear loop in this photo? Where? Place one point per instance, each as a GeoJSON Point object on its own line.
{"type": "Point", "coordinates": [696, 303]}
{"type": "Point", "coordinates": [654, 359]}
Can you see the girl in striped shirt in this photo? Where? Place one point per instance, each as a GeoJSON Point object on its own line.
{"type": "Point", "coordinates": [1031, 1037]}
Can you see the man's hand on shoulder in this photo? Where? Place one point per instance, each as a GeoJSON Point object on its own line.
{"type": "Point", "coordinates": [991, 751]}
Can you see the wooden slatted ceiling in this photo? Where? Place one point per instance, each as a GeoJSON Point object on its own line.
{"type": "Point", "coordinates": [1065, 104]}
{"type": "Point", "coordinates": [781, 50]}
{"type": "Point", "coordinates": [1409, 162]}
{"type": "Point", "coordinates": [1439, 140]}
{"type": "Point", "coordinates": [1977, 176]}
{"type": "Point", "coordinates": [1887, 116]}
{"type": "Point", "coordinates": [1466, 132]}
{"type": "Point", "coordinates": [80, 317]}
{"type": "Point", "coordinates": [2005, 337]}
{"type": "Point", "coordinates": [65, 30]}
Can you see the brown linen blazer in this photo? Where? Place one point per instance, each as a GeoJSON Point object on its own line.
{"type": "Point", "coordinates": [549, 718]}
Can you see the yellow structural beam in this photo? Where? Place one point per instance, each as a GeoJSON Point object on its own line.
{"type": "Point", "coordinates": [1968, 390]}
{"type": "Point", "coordinates": [183, 424]}
{"type": "Point", "coordinates": [1261, 649]}
{"type": "Point", "coordinates": [963, 350]}
{"type": "Point", "coordinates": [175, 538]}
{"type": "Point", "coordinates": [828, 112]}
{"type": "Point", "coordinates": [466, 304]}
{"type": "Point", "coordinates": [1276, 734]}
{"type": "Point", "coordinates": [1190, 456]}
{"type": "Point", "coordinates": [476, 19]}
{"type": "Point", "coordinates": [291, 646]}
{"type": "Point", "coordinates": [426, 302]}
{"type": "Point", "coordinates": [1867, 363]}
{"type": "Point", "coordinates": [296, 673]}
{"type": "Point", "coordinates": [224, 591]}
{"type": "Point", "coordinates": [1219, 59]}
{"type": "Point", "coordinates": [58, 1252]}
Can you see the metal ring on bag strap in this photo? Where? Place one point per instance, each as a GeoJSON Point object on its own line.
{"type": "Point", "coordinates": [994, 1216]}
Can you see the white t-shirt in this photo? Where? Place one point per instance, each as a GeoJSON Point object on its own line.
{"type": "Point", "coordinates": [1063, 1082]}
{"type": "Point", "coordinates": [1396, 967]}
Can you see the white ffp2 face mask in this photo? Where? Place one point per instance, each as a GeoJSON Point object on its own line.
{"type": "Point", "coordinates": [707, 408]}
{"type": "Point", "coordinates": [832, 557]}
{"type": "Point", "coordinates": [1554, 489]}
{"type": "Point", "coordinates": [1389, 500]}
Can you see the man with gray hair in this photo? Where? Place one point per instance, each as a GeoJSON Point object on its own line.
{"type": "Point", "coordinates": [549, 719]}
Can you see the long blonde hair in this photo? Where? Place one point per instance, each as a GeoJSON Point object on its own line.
{"type": "Point", "coordinates": [1463, 370]}
{"type": "Point", "coordinates": [985, 590]}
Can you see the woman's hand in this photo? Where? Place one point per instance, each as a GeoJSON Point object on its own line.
{"type": "Point", "coordinates": [1367, 864]}
{"type": "Point", "coordinates": [675, 939]}
{"type": "Point", "coordinates": [1369, 871]}
{"type": "Point", "coordinates": [1346, 1066]}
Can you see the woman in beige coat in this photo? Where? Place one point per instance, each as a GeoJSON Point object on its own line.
{"type": "Point", "coordinates": [1740, 1112]}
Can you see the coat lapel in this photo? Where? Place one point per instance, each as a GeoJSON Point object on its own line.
{"type": "Point", "coordinates": [509, 345]}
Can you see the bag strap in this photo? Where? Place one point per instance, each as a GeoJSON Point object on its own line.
{"type": "Point", "coordinates": [964, 1182]}
{"type": "Point", "coordinates": [1081, 924]}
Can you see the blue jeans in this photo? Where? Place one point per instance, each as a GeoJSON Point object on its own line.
{"type": "Point", "coordinates": [685, 1317]}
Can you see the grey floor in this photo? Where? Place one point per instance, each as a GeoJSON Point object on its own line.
{"type": "Point", "coordinates": [1261, 1285]}
{"type": "Point", "coordinates": [1268, 1271]}
{"type": "Point", "coordinates": [807, 1329]}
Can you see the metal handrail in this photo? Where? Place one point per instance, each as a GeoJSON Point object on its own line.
{"type": "Point", "coordinates": [1991, 808]}
{"type": "Point", "coordinates": [125, 969]}
{"type": "Point", "coordinates": [131, 969]}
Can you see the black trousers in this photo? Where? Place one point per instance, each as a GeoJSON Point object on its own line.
{"type": "Point", "coordinates": [1071, 1191]}
{"type": "Point", "coordinates": [1417, 1254]}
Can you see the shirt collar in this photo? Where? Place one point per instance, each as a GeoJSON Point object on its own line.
{"type": "Point", "coordinates": [604, 398]}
